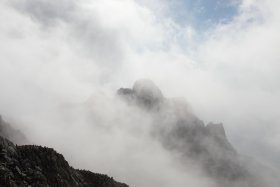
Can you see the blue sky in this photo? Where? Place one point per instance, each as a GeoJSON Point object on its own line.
{"type": "Point", "coordinates": [204, 13]}
{"type": "Point", "coordinates": [230, 74]}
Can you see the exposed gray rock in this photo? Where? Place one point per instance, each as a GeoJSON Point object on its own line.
{"type": "Point", "coordinates": [31, 165]}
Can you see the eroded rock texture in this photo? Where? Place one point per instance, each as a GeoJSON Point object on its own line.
{"type": "Point", "coordinates": [30, 165]}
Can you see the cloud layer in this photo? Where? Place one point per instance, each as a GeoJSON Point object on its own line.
{"type": "Point", "coordinates": [57, 54]}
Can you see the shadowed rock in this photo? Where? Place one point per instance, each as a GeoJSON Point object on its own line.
{"type": "Point", "coordinates": [31, 165]}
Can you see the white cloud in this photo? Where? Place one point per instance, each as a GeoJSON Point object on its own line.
{"type": "Point", "coordinates": [56, 53]}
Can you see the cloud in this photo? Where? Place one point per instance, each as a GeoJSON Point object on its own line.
{"type": "Point", "coordinates": [59, 53]}
{"type": "Point", "coordinates": [47, 12]}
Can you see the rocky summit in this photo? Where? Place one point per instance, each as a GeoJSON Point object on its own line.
{"type": "Point", "coordinates": [182, 132]}
{"type": "Point", "coordinates": [30, 165]}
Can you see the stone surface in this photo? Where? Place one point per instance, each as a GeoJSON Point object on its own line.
{"type": "Point", "coordinates": [30, 165]}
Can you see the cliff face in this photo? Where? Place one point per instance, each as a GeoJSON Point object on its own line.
{"type": "Point", "coordinates": [31, 165]}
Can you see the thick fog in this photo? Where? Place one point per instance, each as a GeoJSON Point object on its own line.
{"type": "Point", "coordinates": [62, 62]}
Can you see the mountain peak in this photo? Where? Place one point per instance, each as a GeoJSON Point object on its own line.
{"type": "Point", "coordinates": [144, 92]}
{"type": "Point", "coordinates": [147, 89]}
{"type": "Point", "coordinates": [180, 130]}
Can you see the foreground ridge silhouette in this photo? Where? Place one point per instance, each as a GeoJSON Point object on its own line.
{"type": "Point", "coordinates": [31, 165]}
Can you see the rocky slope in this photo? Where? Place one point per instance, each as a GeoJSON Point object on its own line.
{"type": "Point", "coordinates": [30, 165]}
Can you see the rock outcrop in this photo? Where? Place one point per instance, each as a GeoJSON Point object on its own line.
{"type": "Point", "coordinates": [30, 165]}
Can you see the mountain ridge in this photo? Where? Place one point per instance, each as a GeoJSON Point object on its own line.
{"type": "Point", "coordinates": [32, 165]}
{"type": "Point", "coordinates": [180, 131]}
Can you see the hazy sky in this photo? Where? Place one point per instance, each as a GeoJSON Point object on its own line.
{"type": "Point", "coordinates": [221, 56]}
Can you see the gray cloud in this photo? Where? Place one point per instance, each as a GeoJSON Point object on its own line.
{"type": "Point", "coordinates": [56, 54]}
{"type": "Point", "coordinates": [47, 12]}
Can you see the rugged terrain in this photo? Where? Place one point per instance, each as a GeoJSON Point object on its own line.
{"type": "Point", "coordinates": [30, 165]}
{"type": "Point", "coordinates": [174, 126]}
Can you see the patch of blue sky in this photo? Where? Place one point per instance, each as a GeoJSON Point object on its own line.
{"type": "Point", "coordinates": [202, 14]}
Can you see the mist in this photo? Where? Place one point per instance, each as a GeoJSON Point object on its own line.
{"type": "Point", "coordinates": [62, 63]}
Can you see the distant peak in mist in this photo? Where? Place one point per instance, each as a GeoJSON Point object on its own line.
{"type": "Point", "coordinates": [147, 89]}
{"type": "Point", "coordinates": [144, 92]}
{"type": "Point", "coordinates": [181, 132]}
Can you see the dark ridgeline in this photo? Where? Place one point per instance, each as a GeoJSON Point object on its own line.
{"type": "Point", "coordinates": [30, 165]}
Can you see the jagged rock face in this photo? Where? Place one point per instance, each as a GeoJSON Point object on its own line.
{"type": "Point", "coordinates": [31, 165]}
{"type": "Point", "coordinates": [179, 130]}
